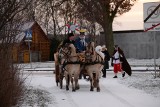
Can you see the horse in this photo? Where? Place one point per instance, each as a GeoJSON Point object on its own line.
{"type": "Point", "coordinates": [94, 65]}
{"type": "Point", "coordinates": [72, 67]}
{"type": "Point", "coordinates": [58, 56]}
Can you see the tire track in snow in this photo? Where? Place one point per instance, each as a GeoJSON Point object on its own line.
{"type": "Point", "coordinates": [70, 99]}
{"type": "Point", "coordinates": [65, 94]}
{"type": "Point", "coordinates": [54, 101]}
{"type": "Point", "coordinates": [122, 100]}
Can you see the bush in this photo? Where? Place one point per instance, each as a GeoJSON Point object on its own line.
{"type": "Point", "coordinates": [11, 83]}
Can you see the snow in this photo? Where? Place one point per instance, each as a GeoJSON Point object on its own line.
{"type": "Point", "coordinates": [27, 26]}
{"type": "Point", "coordinates": [19, 37]}
{"type": "Point", "coordinates": [139, 90]}
{"type": "Point", "coordinates": [23, 28]}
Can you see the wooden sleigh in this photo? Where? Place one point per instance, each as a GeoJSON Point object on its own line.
{"type": "Point", "coordinates": [92, 66]}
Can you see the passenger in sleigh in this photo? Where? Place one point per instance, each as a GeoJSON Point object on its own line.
{"type": "Point", "coordinates": [81, 43]}
{"type": "Point", "coordinates": [69, 39]}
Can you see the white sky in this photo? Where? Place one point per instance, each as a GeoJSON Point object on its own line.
{"type": "Point", "coordinates": [132, 20]}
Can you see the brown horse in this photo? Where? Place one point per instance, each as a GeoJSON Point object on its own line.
{"type": "Point", "coordinates": [94, 65]}
{"type": "Point", "coordinates": [58, 57]}
{"type": "Point", "coordinates": [72, 67]}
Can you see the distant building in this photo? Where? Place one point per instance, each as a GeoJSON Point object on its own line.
{"type": "Point", "coordinates": [136, 43]}
{"type": "Point", "coordinates": [34, 36]}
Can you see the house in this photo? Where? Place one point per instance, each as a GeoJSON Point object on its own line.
{"type": "Point", "coordinates": [32, 44]}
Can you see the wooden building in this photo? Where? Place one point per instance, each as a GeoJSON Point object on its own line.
{"type": "Point", "coordinates": [31, 42]}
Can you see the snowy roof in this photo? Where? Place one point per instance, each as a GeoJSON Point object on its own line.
{"type": "Point", "coordinates": [19, 37]}
{"type": "Point", "coordinates": [24, 28]}
{"type": "Point", "coordinates": [27, 26]}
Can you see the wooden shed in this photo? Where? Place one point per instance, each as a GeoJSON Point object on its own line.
{"type": "Point", "coordinates": [31, 42]}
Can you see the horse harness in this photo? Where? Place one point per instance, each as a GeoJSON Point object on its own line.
{"type": "Point", "coordinates": [85, 59]}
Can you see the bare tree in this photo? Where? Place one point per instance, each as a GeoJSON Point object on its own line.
{"type": "Point", "coordinates": [11, 82]}
{"type": "Point", "coordinates": [47, 14]}
{"type": "Point", "coordinates": [103, 12]}
{"type": "Point", "coordinates": [10, 8]}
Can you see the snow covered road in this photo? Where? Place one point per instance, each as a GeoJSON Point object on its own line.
{"type": "Point", "coordinates": [113, 93]}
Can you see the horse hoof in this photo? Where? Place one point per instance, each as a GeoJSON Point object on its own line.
{"type": "Point", "coordinates": [98, 89]}
{"type": "Point", "coordinates": [67, 88]}
{"type": "Point", "coordinates": [73, 90]}
{"type": "Point", "coordinates": [77, 88]}
{"type": "Point", "coordinates": [91, 89]}
{"type": "Point", "coordinates": [60, 86]}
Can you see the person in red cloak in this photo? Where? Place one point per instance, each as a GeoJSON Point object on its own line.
{"type": "Point", "coordinates": [120, 63]}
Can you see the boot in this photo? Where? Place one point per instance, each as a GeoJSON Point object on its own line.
{"type": "Point", "coordinates": [115, 76]}
{"type": "Point", "coordinates": [123, 74]}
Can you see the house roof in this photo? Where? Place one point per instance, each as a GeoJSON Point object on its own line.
{"type": "Point", "coordinates": [19, 37]}
{"type": "Point", "coordinates": [23, 28]}
{"type": "Point", "coordinates": [27, 26]}
{"type": "Point", "coordinates": [128, 31]}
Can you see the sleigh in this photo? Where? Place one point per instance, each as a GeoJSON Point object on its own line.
{"type": "Point", "coordinates": [89, 63]}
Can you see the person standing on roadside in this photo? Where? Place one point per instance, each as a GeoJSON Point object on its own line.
{"type": "Point", "coordinates": [106, 59]}
{"type": "Point", "coordinates": [117, 60]}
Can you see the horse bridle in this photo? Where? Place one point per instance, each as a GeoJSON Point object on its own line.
{"type": "Point", "coordinates": [66, 50]}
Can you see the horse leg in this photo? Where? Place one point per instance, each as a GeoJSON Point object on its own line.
{"type": "Point", "coordinates": [61, 80]}
{"type": "Point", "coordinates": [73, 84]}
{"type": "Point", "coordinates": [76, 83]}
{"type": "Point", "coordinates": [57, 74]}
{"type": "Point", "coordinates": [98, 88]}
{"type": "Point", "coordinates": [94, 80]}
{"type": "Point", "coordinates": [91, 82]}
{"type": "Point", "coordinates": [67, 82]}
{"type": "Point", "coordinates": [97, 81]}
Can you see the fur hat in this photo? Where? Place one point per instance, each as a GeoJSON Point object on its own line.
{"type": "Point", "coordinates": [116, 46]}
{"type": "Point", "coordinates": [70, 35]}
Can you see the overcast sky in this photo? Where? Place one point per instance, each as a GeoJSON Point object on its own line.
{"type": "Point", "coordinates": [132, 20]}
